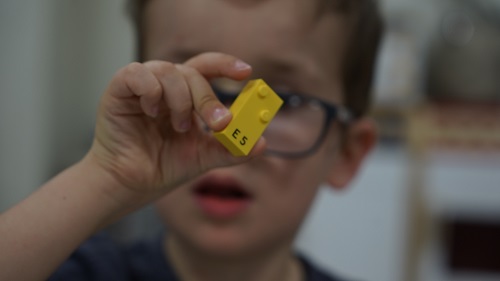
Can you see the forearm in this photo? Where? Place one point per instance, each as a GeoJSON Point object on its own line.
{"type": "Point", "coordinates": [39, 233]}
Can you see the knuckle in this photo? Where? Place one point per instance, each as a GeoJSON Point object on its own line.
{"type": "Point", "coordinates": [140, 80]}
{"type": "Point", "coordinates": [126, 74]}
{"type": "Point", "coordinates": [205, 100]}
{"type": "Point", "coordinates": [163, 67]}
{"type": "Point", "coordinates": [187, 70]}
{"type": "Point", "coordinates": [181, 106]}
{"type": "Point", "coordinates": [129, 71]}
{"type": "Point", "coordinates": [133, 69]}
{"type": "Point", "coordinates": [157, 90]}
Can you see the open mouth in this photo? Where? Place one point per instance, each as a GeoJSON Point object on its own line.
{"type": "Point", "coordinates": [222, 192]}
{"type": "Point", "coordinates": [221, 198]}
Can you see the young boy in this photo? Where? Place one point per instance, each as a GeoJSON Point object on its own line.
{"type": "Point", "coordinates": [228, 218]}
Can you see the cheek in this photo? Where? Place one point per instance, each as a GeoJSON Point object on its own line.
{"type": "Point", "coordinates": [313, 170]}
{"type": "Point", "coordinates": [305, 176]}
{"type": "Point", "coordinates": [296, 183]}
{"type": "Point", "coordinates": [301, 179]}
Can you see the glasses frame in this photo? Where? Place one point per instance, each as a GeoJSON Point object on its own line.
{"type": "Point", "coordinates": [333, 112]}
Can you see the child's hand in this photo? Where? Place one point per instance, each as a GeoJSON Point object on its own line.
{"type": "Point", "coordinates": [146, 142]}
{"type": "Point", "coordinates": [148, 134]}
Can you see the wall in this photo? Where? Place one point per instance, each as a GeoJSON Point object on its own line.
{"type": "Point", "coordinates": [24, 136]}
{"type": "Point", "coordinates": [56, 58]}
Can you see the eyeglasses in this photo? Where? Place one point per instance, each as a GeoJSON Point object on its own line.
{"type": "Point", "coordinates": [299, 127]}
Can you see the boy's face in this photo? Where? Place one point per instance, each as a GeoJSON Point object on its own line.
{"type": "Point", "coordinates": [259, 205]}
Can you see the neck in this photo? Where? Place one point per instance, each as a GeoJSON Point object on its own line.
{"type": "Point", "coordinates": [195, 266]}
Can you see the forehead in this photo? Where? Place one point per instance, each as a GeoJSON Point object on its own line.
{"type": "Point", "coordinates": [283, 37]}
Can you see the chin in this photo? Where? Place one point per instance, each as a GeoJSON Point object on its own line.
{"type": "Point", "coordinates": [225, 250]}
{"type": "Point", "coordinates": [223, 243]}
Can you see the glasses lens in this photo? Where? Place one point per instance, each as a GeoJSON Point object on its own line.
{"type": "Point", "coordinates": [296, 127]}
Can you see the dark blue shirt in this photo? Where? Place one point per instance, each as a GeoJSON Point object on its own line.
{"type": "Point", "coordinates": [101, 259]}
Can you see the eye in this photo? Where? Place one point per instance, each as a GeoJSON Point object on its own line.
{"type": "Point", "coordinates": [314, 105]}
{"type": "Point", "coordinates": [291, 102]}
{"type": "Point", "coordinates": [294, 101]}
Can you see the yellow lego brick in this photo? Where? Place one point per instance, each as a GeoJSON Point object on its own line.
{"type": "Point", "coordinates": [252, 111]}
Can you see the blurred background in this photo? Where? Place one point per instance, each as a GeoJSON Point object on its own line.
{"type": "Point", "coordinates": [426, 205]}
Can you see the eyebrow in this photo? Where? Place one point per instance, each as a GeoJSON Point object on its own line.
{"type": "Point", "coordinates": [281, 68]}
{"type": "Point", "coordinates": [294, 71]}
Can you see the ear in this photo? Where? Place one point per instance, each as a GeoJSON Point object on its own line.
{"type": "Point", "coordinates": [359, 140]}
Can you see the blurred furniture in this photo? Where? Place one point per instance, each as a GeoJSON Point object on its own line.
{"type": "Point", "coordinates": [455, 197]}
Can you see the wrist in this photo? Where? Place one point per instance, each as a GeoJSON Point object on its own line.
{"type": "Point", "coordinates": [113, 195]}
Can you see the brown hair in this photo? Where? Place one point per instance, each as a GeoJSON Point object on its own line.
{"type": "Point", "coordinates": [361, 57]}
{"type": "Point", "coordinates": [359, 64]}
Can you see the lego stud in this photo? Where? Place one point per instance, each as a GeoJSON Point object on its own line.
{"type": "Point", "coordinates": [263, 91]}
{"type": "Point", "coordinates": [252, 112]}
{"type": "Point", "coordinates": [265, 116]}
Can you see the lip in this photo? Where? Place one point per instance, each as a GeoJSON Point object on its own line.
{"type": "Point", "coordinates": [221, 197]}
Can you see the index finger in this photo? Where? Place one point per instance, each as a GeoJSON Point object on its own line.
{"type": "Point", "coordinates": [215, 65]}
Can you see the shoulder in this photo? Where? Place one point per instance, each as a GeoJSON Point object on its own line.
{"type": "Point", "coordinates": [315, 273]}
{"type": "Point", "coordinates": [100, 258]}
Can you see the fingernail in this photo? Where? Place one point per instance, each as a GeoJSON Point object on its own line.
{"type": "Point", "coordinates": [219, 114]}
{"type": "Point", "coordinates": [241, 65]}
